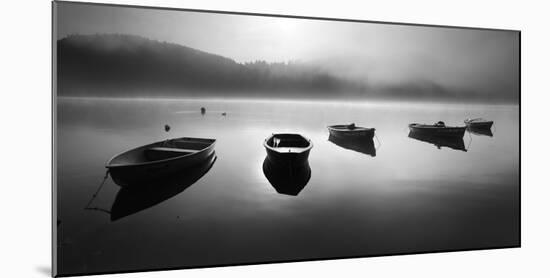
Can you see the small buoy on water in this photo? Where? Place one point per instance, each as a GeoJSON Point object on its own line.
{"type": "Point", "coordinates": [166, 128]}
{"type": "Point", "coordinates": [224, 114]}
{"type": "Point", "coordinates": [203, 110]}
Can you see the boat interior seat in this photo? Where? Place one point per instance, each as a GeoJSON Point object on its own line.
{"type": "Point", "coordinates": [192, 145]}
{"type": "Point", "coordinates": [288, 142]}
{"type": "Point", "coordinates": [159, 153]}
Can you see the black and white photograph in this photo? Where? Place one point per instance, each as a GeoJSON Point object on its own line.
{"type": "Point", "coordinates": [190, 138]}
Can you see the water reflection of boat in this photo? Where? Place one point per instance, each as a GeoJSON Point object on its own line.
{"type": "Point", "coordinates": [148, 163]}
{"type": "Point", "coordinates": [480, 131]}
{"type": "Point", "coordinates": [287, 179]}
{"type": "Point", "coordinates": [455, 143]}
{"type": "Point", "coordinates": [130, 200]}
{"type": "Point", "coordinates": [438, 129]}
{"type": "Point", "coordinates": [358, 144]}
{"type": "Point", "coordinates": [288, 148]}
{"type": "Point", "coordinates": [350, 131]}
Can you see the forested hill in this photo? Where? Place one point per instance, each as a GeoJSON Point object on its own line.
{"type": "Point", "coordinates": [124, 65]}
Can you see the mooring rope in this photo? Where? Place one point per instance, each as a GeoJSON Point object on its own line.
{"type": "Point", "coordinates": [469, 143]}
{"type": "Point", "coordinates": [97, 192]}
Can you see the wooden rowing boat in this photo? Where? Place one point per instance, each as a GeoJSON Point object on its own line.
{"type": "Point", "coordinates": [350, 131]}
{"type": "Point", "coordinates": [158, 160]}
{"type": "Point", "coordinates": [287, 148]}
{"type": "Point", "coordinates": [478, 123]}
{"type": "Point", "coordinates": [437, 129]}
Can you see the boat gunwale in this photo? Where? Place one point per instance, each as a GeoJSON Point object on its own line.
{"type": "Point", "coordinates": [109, 165]}
{"type": "Point", "coordinates": [477, 121]}
{"type": "Point", "coordinates": [343, 128]}
{"type": "Point", "coordinates": [300, 149]}
{"type": "Point", "coordinates": [425, 126]}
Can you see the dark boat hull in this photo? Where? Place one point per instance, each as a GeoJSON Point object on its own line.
{"type": "Point", "coordinates": [438, 131]}
{"type": "Point", "coordinates": [137, 174]}
{"type": "Point", "coordinates": [481, 125]}
{"type": "Point", "coordinates": [287, 158]}
{"type": "Point", "coordinates": [481, 131]}
{"type": "Point", "coordinates": [360, 133]}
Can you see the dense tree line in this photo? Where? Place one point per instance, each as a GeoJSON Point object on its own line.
{"type": "Point", "coordinates": [124, 64]}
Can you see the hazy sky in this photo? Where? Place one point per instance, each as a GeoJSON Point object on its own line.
{"type": "Point", "coordinates": [482, 61]}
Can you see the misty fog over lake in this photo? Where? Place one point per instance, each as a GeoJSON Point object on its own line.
{"type": "Point", "coordinates": [128, 77]}
{"type": "Point", "coordinates": [129, 51]}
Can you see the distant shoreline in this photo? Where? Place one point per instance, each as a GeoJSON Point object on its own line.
{"type": "Point", "coordinates": [127, 66]}
{"type": "Point", "coordinates": [377, 102]}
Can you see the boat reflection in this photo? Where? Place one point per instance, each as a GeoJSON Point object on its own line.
{"type": "Point", "coordinates": [359, 144]}
{"type": "Point", "coordinates": [287, 178]}
{"type": "Point", "coordinates": [455, 143]}
{"type": "Point", "coordinates": [480, 131]}
{"type": "Point", "coordinates": [132, 200]}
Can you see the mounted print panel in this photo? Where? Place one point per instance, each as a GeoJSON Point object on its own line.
{"type": "Point", "coordinates": [187, 138]}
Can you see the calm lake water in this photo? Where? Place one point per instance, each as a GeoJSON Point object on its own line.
{"type": "Point", "coordinates": [409, 197]}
